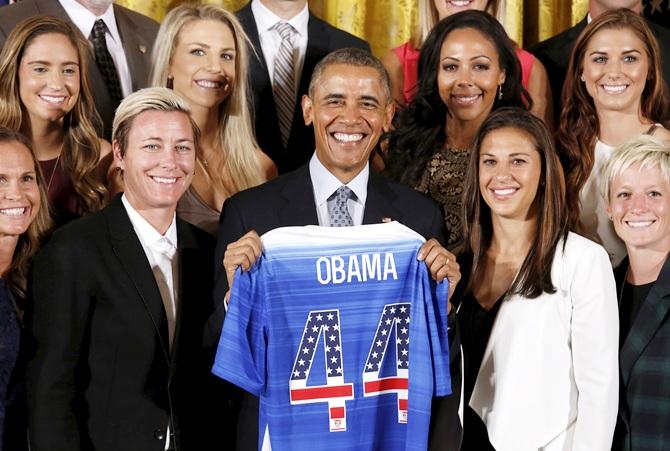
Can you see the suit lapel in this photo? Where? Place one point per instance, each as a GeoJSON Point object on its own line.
{"type": "Point", "coordinates": [298, 206]}
{"type": "Point", "coordinates": [248, 22]}
{"type": "Point", "coordinates": [189, 280]}
{"type": "Point", "coordinates": [51, 8]}
{"type": "Point", "coordinates": [135, 49]}
{"type": "Point", "coordinates": [379, 202]}
{"type": "Point", "coordinates": [653, 311]}
{"type": "Point", "coordinates": [128, 249]}
{"type": "Point", "coordinates": [318, 43]}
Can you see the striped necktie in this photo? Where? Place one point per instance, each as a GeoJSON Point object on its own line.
{"type": "Point", "coordinates": [283, 86]}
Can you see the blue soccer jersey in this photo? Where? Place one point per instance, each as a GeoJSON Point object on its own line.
{"type": "Point", "coordinates": [343, 335]}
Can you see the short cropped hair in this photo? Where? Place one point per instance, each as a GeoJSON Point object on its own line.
{"type": "Point", "coordinates": [148, 99]}
{"type": "Point", "coordinates": [351, 57]}
{"type": "Point", "coordinates": [644, 150]}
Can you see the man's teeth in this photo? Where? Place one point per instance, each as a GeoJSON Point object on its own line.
{"type": "Point", "coordinates": [165, 180]}
{"type": "Point", "coordinates": [348, 137]}
{"type": "Point", "coordinates": [639, 224]}
{"type": "Point", "coordinates": [614, 89]}
{"type": "Point", "coordinates": [208, 84]}
{"type": "Point", "coordinates": [504, 192]}
{"type": "Point", "coordinates": [53, 99]}
{"type": "Point", "coordinates": [12, 211]}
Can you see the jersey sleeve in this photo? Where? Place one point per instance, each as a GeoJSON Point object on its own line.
{"type": "Point", "coordinates": [241, 353]}
{"type": "Point", "coordinates": [438, 334]}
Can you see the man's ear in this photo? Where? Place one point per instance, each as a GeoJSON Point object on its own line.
{"type": "Point", "coordinates": [307, 110]}
{"type": "Point", "coordinates": [388, 115]}
{"type": "Point", "coordinates": [118, 158]}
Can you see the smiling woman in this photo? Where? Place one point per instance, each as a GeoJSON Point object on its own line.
{"type": "Point", "coordinates": [614, 91]}
{"type": "Point", "coordinates": [24, 222]}
{"type": "Point", "coordinates": [44, 82]}
{"type": "Point", "coordinates": [636, 187]}
{"type": "Point", "coordinates": [539, 307]}
{"type": "Point", "coordinates": [201, 53]}
{"type": "Point", "coordinates": [470, 69]}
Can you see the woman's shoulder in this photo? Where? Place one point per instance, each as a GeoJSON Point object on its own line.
{"type": "Point", "coordinates": [660, 132]}
{"type": "Point", "coordinates": [575, 244]}
{"type": "Point", "coordinates": [105, 148]}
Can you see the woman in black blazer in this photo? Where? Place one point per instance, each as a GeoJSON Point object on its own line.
{"type": "Point", "coordinates": [636, 187]}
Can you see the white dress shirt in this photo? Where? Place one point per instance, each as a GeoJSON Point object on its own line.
{"type": "Point", "coordinates": [271, 40]}
{"type": "Point", "coordinates": [84, 20]}
{"type": "Point", "coordinates": [164, 268]}
{"type": "Point", "coordinates": [325, 184]}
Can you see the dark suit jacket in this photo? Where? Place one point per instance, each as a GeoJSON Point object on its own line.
{"type": "Point", "coordinates": [137, 32]}
{"type": "Point", "coordinates": [644, 360]}
{"type": "Point", "coordinates": [555, 52]}
{"type": "Point", "coordinates": [322, 38]}
{"type": "Point", "coordinates": [289, 201]}
{"type": "Point", "coordinates": [103, 376]}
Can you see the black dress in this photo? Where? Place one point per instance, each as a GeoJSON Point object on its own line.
{"type": "Point", "coordinates": [12, 391]}
{"type": "Point", "coordinates": [475, 324]}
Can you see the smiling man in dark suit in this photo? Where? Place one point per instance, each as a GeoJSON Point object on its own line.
{"type": "Point", "coordinates": [555, 51]}
{"type": "Point", "coordinates": [349, 105]}
{"type": "Point", "coordinates": [119, 302]}
{"type": "Point", "coordinates": [129, 37]}
{"type": "Point", "coordinates": [280, 129]}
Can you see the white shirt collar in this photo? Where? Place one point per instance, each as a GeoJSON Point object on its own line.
{"type": "Point", "coordinates": [325, 183]}
{"type": "Point", "coordinates": [145, 231]}
{"type": "Point", "coordinates": [266, 19]}
{"type": "Point", "coordinates": [84, 19]}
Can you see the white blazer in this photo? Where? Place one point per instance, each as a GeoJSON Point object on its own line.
{"type": "Point", "coordinates": [549, 378]}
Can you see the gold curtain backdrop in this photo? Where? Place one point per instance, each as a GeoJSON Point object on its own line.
{"type": "Point", "coordinates": [388, 23]}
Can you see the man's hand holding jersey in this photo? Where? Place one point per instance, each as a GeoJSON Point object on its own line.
{"type": "Point", "coordinates": [440, 262]}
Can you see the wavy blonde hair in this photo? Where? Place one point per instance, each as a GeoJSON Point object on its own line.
{"type": "Point", "coordinates": [30, 241]}
{"type": "Point", "coordinates": [81, 145]}
{"type": "Point", "coordinates": [235, 134]}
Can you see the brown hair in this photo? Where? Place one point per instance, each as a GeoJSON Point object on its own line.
{"type": "Point", "coordinates": [579, 126]}
{"type": "Point", "coordinates": [81, 146]}
{"type": "Point", "coordinates": [30, 241]}
{"type": "Point", "coordinates": [534, 276]}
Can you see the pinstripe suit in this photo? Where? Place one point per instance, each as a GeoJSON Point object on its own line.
{"type": "Point", "coordinates": [644, 360]}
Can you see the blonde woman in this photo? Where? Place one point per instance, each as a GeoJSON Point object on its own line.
{"type": "Point", "coordinates": [201, 53]}
{"type": "Point", "coordinates": [45, 93]}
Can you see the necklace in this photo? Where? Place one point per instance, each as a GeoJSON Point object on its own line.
{"type": "Point", "coordinates": [53, 171]}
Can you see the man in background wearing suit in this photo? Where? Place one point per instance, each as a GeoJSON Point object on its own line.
{"type": "Point", "coordinates": [555, 51]}
{"type": "Point", "coordinates": [281, 71]}
{"type": "Point", "coordinates": [126, 36]}
{"type": "Point", "coordinates": [119, 302]}
{"type": "Point", "coordinates": [349, 105]}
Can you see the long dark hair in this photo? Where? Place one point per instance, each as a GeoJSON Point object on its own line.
{"type": "Point", "coordinates": [420, 128]}
{"type": "Point", "coordinates": [579, 126]}
{"type": "Point", "coordinates": [534, 276]}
